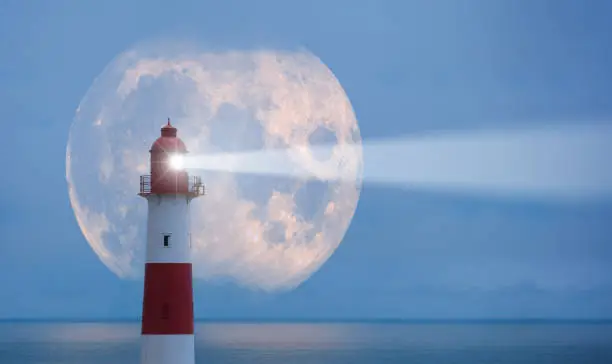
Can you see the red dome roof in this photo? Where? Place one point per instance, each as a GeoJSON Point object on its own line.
{"type": "Point", "coordinates": [168, 142]}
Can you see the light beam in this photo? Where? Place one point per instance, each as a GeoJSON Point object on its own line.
{"type": "Point", "coordinates": [561, 162]}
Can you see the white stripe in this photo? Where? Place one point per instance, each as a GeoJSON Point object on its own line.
{"type": "Point", "coordinates": [168, 215]}
{"type": "Point", "coordinates": [167, 349]}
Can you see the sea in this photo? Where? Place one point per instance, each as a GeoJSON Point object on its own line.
{"type": "Point", "coordinates": [319, 342]}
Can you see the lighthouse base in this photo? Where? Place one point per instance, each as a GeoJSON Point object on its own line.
{"type": "Point", "coordinates": [167, 349]}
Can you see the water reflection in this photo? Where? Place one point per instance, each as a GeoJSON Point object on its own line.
{"type": "Point", "coordinates": [69, 332]}
{"type": "Point", "coordinates": [381, 336]}
{"type": "Point", "coordinates": [276, 343]}
{"type": "Point", "coordinates": [322, 335]}
{"type": "Point", "coordinates": [275, 336]}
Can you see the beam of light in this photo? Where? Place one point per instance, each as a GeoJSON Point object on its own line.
{"type": "Point", "coordinates": [561, 162]}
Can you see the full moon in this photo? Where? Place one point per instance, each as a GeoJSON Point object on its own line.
{"type": "Point", "coordinates": [262, 232]}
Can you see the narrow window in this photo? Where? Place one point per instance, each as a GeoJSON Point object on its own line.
{"type": "Point", "coordinates": [166, 240]}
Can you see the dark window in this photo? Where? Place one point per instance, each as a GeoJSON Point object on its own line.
{"type": "Point", "coordinates": [166, 240]}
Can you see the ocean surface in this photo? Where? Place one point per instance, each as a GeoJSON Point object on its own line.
{"type": "Point", "coordinates": [359, 343]}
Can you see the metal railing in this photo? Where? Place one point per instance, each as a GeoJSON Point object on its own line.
{"type": "Point", "coordinates": [194, 185]}
{"type": "Point", "coordinates": [145, 184]}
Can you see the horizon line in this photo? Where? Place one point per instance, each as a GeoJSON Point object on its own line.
{"type": "Point", "coordinates": [324, 320]}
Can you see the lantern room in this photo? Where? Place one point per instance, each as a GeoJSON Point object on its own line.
{"type": "Point", "coordinates": [167, 170]}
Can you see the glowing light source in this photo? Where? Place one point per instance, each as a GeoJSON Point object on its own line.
{"type": "Point", "coordinates": [177, 161]}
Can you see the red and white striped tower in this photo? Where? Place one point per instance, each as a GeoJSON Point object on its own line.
{"type": "Point", "coordinates": [167, 312]}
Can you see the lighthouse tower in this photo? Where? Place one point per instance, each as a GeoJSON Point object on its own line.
{"type": "Point", "coordinates": [167, 313]}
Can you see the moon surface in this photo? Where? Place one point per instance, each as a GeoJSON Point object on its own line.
{"type": "Point", "coordinates": [263, 232]}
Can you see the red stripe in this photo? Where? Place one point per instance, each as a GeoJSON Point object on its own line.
{"type": "Point", "coordinates": [168, 299]}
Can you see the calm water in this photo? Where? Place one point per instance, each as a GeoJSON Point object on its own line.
{"type": "Point", "coordinates": [48, 343]}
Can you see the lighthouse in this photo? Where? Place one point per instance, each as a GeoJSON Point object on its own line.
{"type": "Point", "coordinates": [167, 313]}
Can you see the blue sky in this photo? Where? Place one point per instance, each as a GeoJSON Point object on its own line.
{"type": "Point", "coordinates": [407, 67]}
